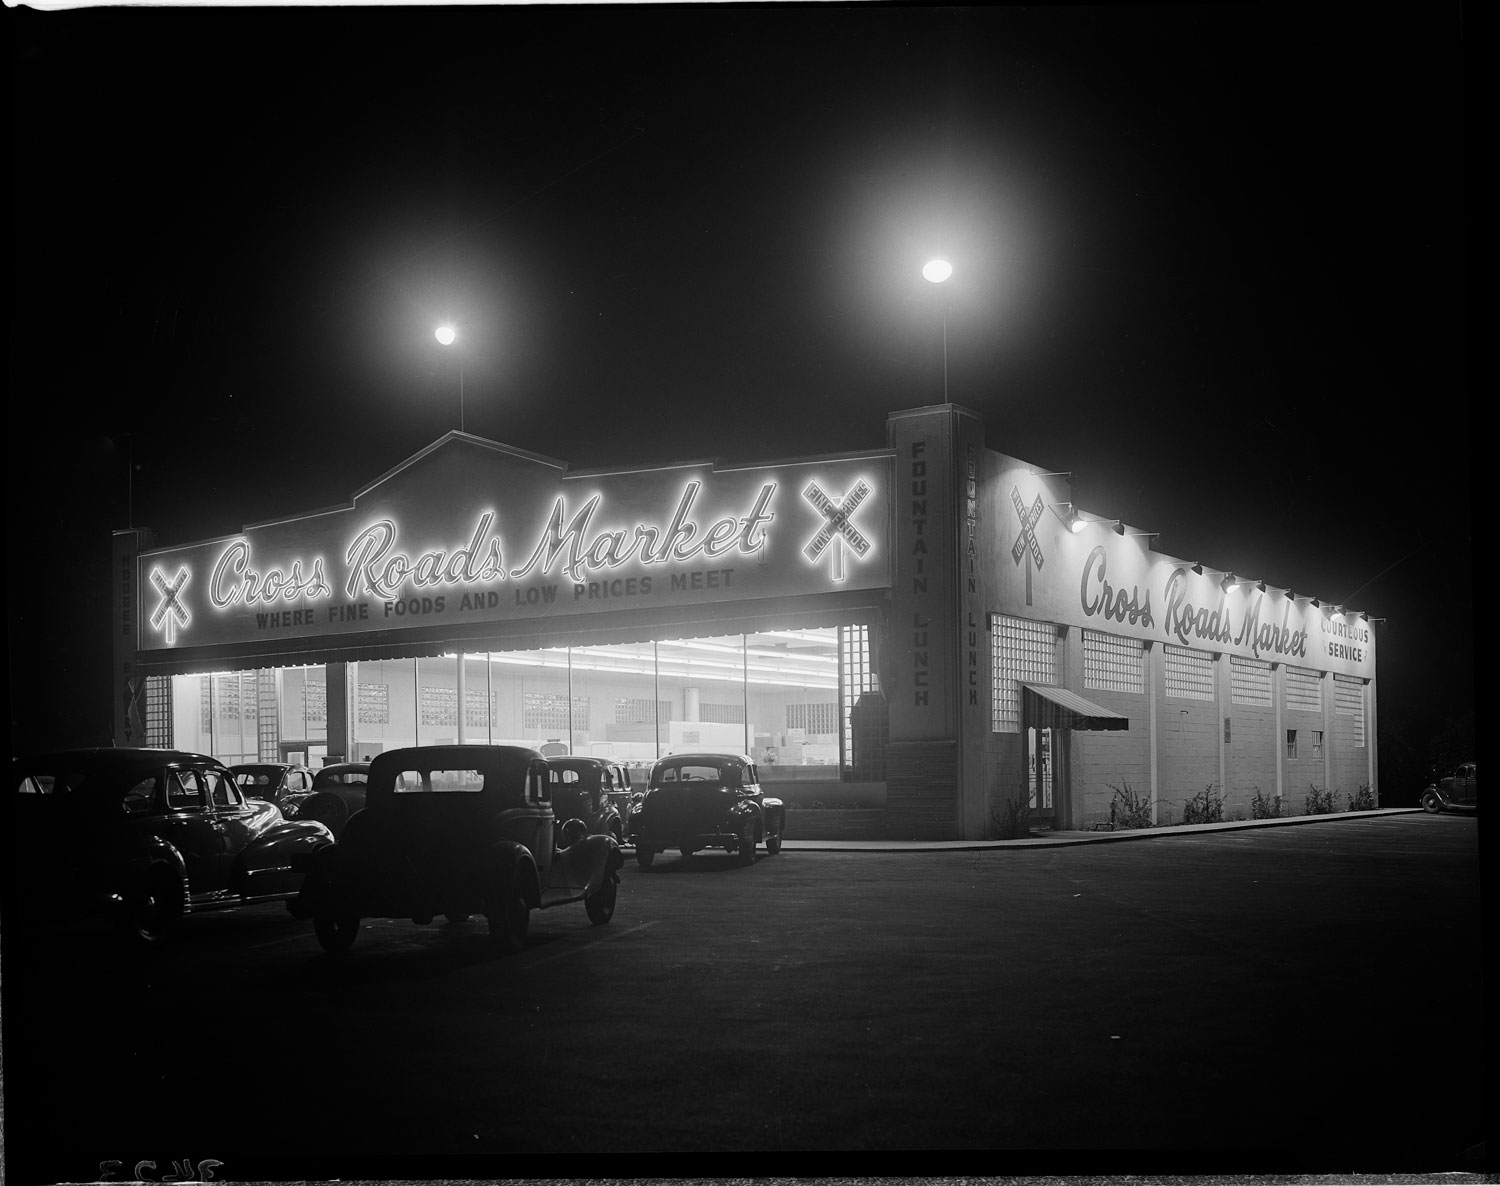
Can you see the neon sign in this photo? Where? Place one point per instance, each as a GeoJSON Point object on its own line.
{"type": "Point", "coordinates": [233, 580]}
{"type": "Point", "coordinates": [170, 612]}
{"type": "Point", "coordinates": [373, 568]}
{"type": "Point", "coordinates": [837, 529]}
{"type": "Point", "coordinates": [610, 549]}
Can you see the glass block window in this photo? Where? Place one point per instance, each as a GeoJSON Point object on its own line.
{"type": "Point", "coordinates": [547, 710]}
{"type": "Point", "coordinates": [205, 704]}
{"type": "Point", "coordinates": [856, 674]}
{"type": "Point", "coordinates": [722, 714]}
{"type": "Point", "coordinates": [1112, 663]}
{"type": "Point", "coordinates": [1349, 701]}
{"type": "Point", "coordinates": [158, 699]}
{"type": "Point", "coordinates": [1022, 651]}
{"type": "Point", "coordinates": [374, 704]}
{"type": "Point", "coordinates": [814, 718]}
{"type": "Point", "coordinates": [1250, 682]}
{"type": "Point", "coordinates": [1189, 674]}
{"type": "Point", "coordinates": [1304, 690]}
{"type": "Point", "coordinates": [630, 711]}
{"type": "Point", "coordinates": [269, 732]}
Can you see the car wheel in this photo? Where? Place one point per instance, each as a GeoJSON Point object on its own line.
{"type": "Point", "coordinates": [336, 932]}
{"type": "Point", "coordinates": [747, 849]}
{"type": "Point", "coordinates": [509, 916]}
{"type": "Point", "coordinates": [601, 903]}
{"type": "Point", "coordinates": [643, 855]}
{"type": "Point", "coordinates": [773, 842]}
{"type": "Point", "coordinates": [152, 908]}
{"type": "Point", "coordinates": [1431, 803]}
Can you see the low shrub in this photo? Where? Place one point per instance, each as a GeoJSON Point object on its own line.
{"type": "Point", "coordinates": [1013, 819]}
{"type": "Point", "coordinates": [1128, 809]}
{"type": "Point", "coordinates": [1264, 807]}
{"type": "Point", "coordinates": [1362, 799]}
{"type": "Point", "coordinates": [1317, 802]}
{"type": "Point", "coordinates": [1206, 807]}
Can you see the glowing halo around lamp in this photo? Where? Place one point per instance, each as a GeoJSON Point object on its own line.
{"type": "Point", "coordinates": [937, 270]}
{"type": "Point", "coordinates": [446, 335]}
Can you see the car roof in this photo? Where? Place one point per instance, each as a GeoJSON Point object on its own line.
{"type": "Point", "coordinates": [100, 758]}
{"type": "Point", "coordinates": [705, 759]}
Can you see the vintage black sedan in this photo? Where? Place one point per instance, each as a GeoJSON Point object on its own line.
{"type": "Point", "coordinates": [458, 830]}
{"type": "Point", "coordinates": [591, 789]}
{"type": "Point", "coordinates": [338, 791]}
{"type": "Point", "coordinates": [1459, 791]}
{"type": "Point", "coordinates": [697, 801]}
{"type": "Point", "coordinates": [283, 783]}
{"type": "Point", "coordinates": [144, 836]}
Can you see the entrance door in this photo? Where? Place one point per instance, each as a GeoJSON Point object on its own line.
{"type": "Point", "coordinates": [1042, 751]}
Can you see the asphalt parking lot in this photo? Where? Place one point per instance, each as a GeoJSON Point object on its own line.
{"type": "Point", "coordinates": [1241, 999]}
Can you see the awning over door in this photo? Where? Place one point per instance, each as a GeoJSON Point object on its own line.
{"type": "Point", "coordinates": [1046, 707]}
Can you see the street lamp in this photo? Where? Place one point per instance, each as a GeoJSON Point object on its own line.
{"type": "Point", "coordinates": [447, 335]}
{"type": "Point", "coordinates": [936, 271]}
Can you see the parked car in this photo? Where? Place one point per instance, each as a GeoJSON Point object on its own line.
{"type": "Point", "coordinates": [283, 783]}
{"type": "Point", "coordinates": [1458, 792]}
{"type": "Point", "coordinates": [595, 790]}
{"type": "Point", "coordinates": [696, 801]}
{"type": "Point", "coordinates": [145, 836]}
{"type": "Point", "coordinates": [458, 830]}
{"type": "Point", "coordinates": [338, 791]}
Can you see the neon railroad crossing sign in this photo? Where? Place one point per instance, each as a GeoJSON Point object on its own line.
{"type": "Point", "coordinates": [170, 612]}
{"type": "Point", "coordinates": [1026, 541]}
{"type": "Point", "coordinates": [836, 530]}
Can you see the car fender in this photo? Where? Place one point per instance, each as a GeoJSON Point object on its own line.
{"type": "Point", "coordinates": [131, 870]}
{"type": "Point", "coordinates": [775, 809]}
{"type": "Point", "coordinates": [587, 862]}
{"type": "Point", "coordinates": [275, 862]}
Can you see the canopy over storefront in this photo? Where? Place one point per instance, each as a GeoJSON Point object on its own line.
{"type": "Point", "coordinates": [1048, 707]}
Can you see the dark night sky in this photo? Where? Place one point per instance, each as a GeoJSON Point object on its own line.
{"type": "Point", "coordinates": [1209, 258]}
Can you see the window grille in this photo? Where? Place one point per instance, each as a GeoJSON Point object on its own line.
{"type": "Point", "coordinates": [1349, 701]}
{"type": "Point", "coordinates": [1250, 682]}
{"type": "Point", "coordinates": [1023, 651]}
{"type": "Point", "coordinates": [315, 703]}
{"type": "Point", "coordinates": [1291, 743]}
{"type": "Point", "coordinates": [1112, 663]}
{"type": "Point", "coordinates": [1317, 740]}
{"type": "Point", "coordinates": [632, 711]}
{"type": "Point", "coordinates": [722, 714]}
{"type": "Point", "coordinates": [1304, 690]}
{"type": "Point", "coordinates": [1189, 674]}
{"type": "Point", "coordinates": [439, 706]}
{"type": "Point", "coordinates": [814, 718]}
{"type": "Point", "coordinates": [547, 710]}
{"type": "Point", "coordinates": [476, 700]}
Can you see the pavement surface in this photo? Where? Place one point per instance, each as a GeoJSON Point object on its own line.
{"type": "Point", "coordinates": [1051, 839]}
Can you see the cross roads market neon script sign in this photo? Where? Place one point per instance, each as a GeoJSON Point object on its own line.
{"type": "Point", "coordinates": [575, 560]}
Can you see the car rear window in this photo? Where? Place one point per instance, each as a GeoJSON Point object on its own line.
{"type": "Point", "coordinates": [417, 782]}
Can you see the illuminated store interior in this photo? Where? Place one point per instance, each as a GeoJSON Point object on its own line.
{"type": "Point", "coordinates": [782, 696]}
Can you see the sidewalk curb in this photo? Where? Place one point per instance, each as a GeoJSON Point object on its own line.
{"type": "Point", "coordinates": [1068, 839]}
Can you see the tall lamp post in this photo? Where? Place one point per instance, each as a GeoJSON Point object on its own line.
{"type": "Point", "coordinates": [936, 271]}
{"type": "Point", "coordinates": [447, 335]}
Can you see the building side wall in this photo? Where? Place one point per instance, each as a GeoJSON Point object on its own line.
{"type": "Point", "coordinates": [1250, 759]}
